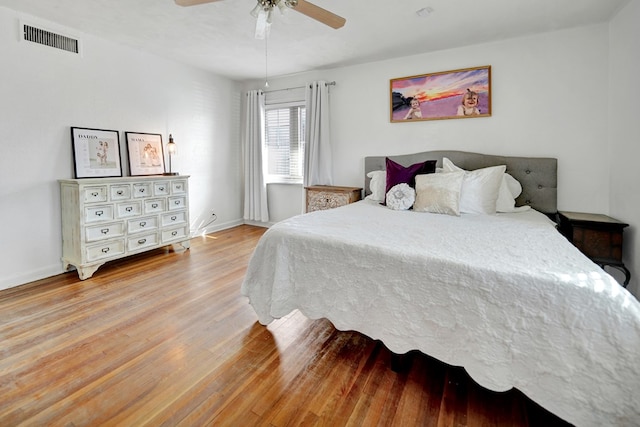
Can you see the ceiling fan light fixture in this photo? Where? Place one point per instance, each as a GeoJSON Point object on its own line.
{"type": "Point", "coordinates": [282, 6]}
{"type": "Point", "coordinates": [263, 25]}
{"type": "Point", "coordinates": [256, 10]}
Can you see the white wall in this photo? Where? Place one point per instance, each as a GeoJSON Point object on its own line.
{"type": "Point", "coordinates": [539, 85]}
{"type": "Point", "coordinates": [624, 66]}
{"type": "Point", "coordinates": [44, 91]}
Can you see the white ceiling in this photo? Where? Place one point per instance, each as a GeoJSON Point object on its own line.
{"type": "Point", "coordinates": [219, 36]}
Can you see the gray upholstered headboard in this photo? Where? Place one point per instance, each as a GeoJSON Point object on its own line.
{"type": "Point", "coordinates": [538, 175]}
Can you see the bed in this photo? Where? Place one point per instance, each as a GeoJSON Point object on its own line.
{"type": "Point", "coordinates": [503, 295]}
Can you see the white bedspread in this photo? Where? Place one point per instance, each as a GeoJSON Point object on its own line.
{"type": "Point", "coordinates": [505, 296]}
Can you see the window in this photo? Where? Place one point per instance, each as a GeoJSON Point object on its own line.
{"type": "Point", "coordinates": [284, 142]}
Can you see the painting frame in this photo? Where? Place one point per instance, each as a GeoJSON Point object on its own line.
{"type": "Point", "coordinates": [456, 94]}
{"type": "Point", "coordinates": [146, 153]}
{"type": "Point", "coordinates": [96, 153]}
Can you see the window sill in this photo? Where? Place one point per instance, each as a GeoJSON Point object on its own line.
{"type": "Point", "coordinates": [284, 181]}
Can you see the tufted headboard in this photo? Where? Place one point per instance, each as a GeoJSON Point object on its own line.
{"type": "Point", "coordinates": [538, 175]}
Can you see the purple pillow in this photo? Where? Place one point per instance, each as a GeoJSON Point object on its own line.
{"type": "Point", "coordinates": [398, 174]}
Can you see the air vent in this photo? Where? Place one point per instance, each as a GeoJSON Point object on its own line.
{"type": "Point", "coordinates": [47, 38]}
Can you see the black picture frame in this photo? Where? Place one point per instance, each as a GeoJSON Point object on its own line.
{"type": "Point", "coordinates": [96, 153]}
{"type": "Point", "coordinates": [146, 153]}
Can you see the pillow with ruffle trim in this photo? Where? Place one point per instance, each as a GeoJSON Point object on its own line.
{"type": "Point", "coordinates": [401, 197]}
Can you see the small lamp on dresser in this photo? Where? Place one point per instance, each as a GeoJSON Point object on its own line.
{"type": "Point", "coordinates": [172, 149]}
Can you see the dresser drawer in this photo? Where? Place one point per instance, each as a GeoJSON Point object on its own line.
{"type": "Point", "coordinates": [105, 250]}
{"type": "Point", "coordinates": [154, 206]}
{"type": "Point", "coordinates": [319, 200]}
{"type": "Point", "coordinates": [120, 192]}
{"type": "Point", "coordinates": [142, 224]}
{"type": "Point", "coordinates": [103, 232]}
{"type": "Point", "coordinates": [179, 202]}
{"type": "Point", "coordinates": [321, 197]}
{"type": "Point", "coordinates": [142, 190]}
{"type": "Point", "coordinates": [179, 187]}
{"type": "Point", "coordinates": [94, 194]}
{"type": "Point", "coordinates": [98, 213]}
{"type": "Point", "coordinates": [128, 209]}
{"type": "Point", "coordinates": [175, 234]}
{"type": "Point", "coordinates": [142, 241]}
{"type": "Point", "coordinates": [161, 188]}
{"type": "Point", "coordinates": [174, 218]}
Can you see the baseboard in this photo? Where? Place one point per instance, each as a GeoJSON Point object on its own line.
{"type": "Point", "coordinates": [216, 227]}
{"type": "Point", "coordinates": [31, 276]}
{"type": "Point", "coordinates": [258, 223]}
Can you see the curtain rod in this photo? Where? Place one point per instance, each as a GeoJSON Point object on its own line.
{"type": "Point", "coordinates": [293, 88]}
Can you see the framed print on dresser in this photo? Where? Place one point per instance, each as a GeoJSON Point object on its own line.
{"type": "Point", "coordinates": [96, 153]}
{"type": "Point", "coordinates": [146, 156]}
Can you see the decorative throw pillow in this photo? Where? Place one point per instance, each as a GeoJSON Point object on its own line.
{"type": "Point", "coordinates": [439, 193]}
{"type": "Point", "coordinates": [401, 197]}
{"type": "Point", "coordinates": [398, 174]}
{"type": "Point", "coordinates": [377, 185]}
{"type": "Point", "coordinates": [480, 187]}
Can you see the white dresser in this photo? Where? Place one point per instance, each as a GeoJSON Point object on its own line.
{"type": "Point", "coordinates": [109, 218]}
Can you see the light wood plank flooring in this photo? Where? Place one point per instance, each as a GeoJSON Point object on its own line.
{"type": "Point", "coordinates": [165, 338]}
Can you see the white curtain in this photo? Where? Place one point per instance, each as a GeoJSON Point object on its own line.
{"type": "Point", "coordinates": [317, 156]}
{"type": "Point", "coordinates": [255, 188]}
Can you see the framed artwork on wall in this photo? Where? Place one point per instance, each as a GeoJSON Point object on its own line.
{"type": "Point", "coordinates": [456, 94]}
{"type": "Point", "coordinates": [146, 156]}
{"type": "Point", "coordinates": [96, 153]}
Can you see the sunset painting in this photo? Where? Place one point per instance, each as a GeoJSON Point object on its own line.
{"type": "Point", "coordinates": [453, 94]}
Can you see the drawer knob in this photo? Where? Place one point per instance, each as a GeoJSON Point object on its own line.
{"type": "Point", "coordinates": [177, 202]}
{"type": "Point", "coordinates": [128, 209]}
{"type": "Point", "coordinates": [105, 231]}
{"type": "Point", "coordinates": [174, 233]}
{"type": "Point", "coordinates": [142, 241]}
{"type": "Point", "coordinates": [161, 188]}
{"type": "Point", "coordinates": [155, 205]}
{"type": "Point", "coordinates": [99, 213]}
{"type": "Point", "coordinates": [119, 192]}
{"type": "Point", "coordinates": [94, 194]}
{"type": "Point", "coordinates": [143, 223]}
{"type": "Point", "coordinates": [173, 218]}
{"type": "Point", "coordinates": [105, 250]}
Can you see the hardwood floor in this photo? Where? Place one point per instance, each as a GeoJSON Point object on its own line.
{"type": "Point", "coordinates": [165, 338]}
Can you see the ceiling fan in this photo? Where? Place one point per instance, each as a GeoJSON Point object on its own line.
{"type": "Point", "coordinates": [267, 6]}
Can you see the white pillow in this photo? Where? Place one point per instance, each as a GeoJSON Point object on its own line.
{"type": "Point", "coordinates": [439, 193]}
{"type": "Point", "coordinates": [378, 185]}
{"type": "Point", "coordinates": [480, 187]}
{"type": "Point", "coordinates": [510, 189]}
{"type": "Point", "coordinates": [401, 197]}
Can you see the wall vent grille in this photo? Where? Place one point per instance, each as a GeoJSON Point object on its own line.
{"type": "Point", "coordinates": [47, 38]}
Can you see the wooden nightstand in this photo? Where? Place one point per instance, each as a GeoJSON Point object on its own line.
{"type": "Point", "coordinates": [597, 236]}
{"type": "Point", "coordinates": [320, 197]}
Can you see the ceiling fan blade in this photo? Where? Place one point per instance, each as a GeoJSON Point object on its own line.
{"type": "Point", "coordinates": [319, 14]}
{"type": "Point", "coordinates": [192, 2]}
